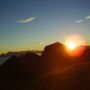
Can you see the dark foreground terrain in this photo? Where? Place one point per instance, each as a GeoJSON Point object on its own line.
{"type": "Point", "coordinates": [53, 70]}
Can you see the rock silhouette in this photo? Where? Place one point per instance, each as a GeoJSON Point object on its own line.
{"type": "Point", "coordinates": [53, 70]}
{"type": "Point", "coordinates": [55, 57]}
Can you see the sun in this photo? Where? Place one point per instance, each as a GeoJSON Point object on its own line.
{"type": "Point", "coordinates": [71, 45]}
{"type": "Point", "coordinates": [75, 45]}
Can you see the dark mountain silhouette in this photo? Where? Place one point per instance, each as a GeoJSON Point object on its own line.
{"type": "Point", "coordinates": [55, 57]}
{"type": "Point", "coordinates": [53, 70]}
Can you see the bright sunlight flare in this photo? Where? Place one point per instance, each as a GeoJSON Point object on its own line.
{"type": "Point", "coordinates": [71, 45]}
{"type": "Point", "coordinates": [75, 45]}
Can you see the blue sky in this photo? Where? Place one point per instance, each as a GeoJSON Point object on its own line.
{"type": "Point", "coordinates": [32, 24]}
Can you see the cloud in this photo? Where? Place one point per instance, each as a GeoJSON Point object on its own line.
{"type": "Point", "coordinates": [83, 20]}
{"type": "Point", "coordinates": [27, 20]}
{"type": "Point", "coordinates": [79, 21]}
{"type": "Point", "coordinates": [39, 43]}
{"type": "Point", "coordinates": [87, 17]}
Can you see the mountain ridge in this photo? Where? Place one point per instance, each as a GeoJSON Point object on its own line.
{"type": "Point", "coordinates": [52, 70]}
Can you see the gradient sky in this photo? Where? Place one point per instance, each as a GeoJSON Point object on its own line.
{"type": "Point", "coordinates": [32, 24]}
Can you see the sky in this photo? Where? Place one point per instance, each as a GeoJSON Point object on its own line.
{"type": "Point", "coordinates": [33, 24]}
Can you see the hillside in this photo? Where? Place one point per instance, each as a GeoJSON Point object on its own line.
{"type": "Point", "coordinates": [53, 70]}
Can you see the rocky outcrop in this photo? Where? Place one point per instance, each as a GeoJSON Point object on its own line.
{"type": "Point", "coordinates": [55, 57]}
